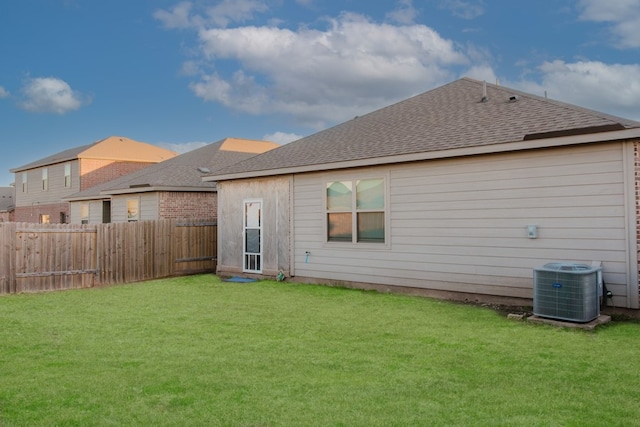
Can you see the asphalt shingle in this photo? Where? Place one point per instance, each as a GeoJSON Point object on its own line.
{"type": "Point", "coordinates": [448, 117]}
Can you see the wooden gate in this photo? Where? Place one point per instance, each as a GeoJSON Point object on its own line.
{"type": "Point", "coordinates": [52, 258]}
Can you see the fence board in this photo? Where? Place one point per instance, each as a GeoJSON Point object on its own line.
{"type": "Point", "coordinates": [40, 257]}
{"type": "Point", "coordinates": [7, 261]}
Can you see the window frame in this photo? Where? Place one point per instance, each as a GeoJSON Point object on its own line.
{"type": "Point", "coordinates": [67, 175]}
{"type": "Point", "coordinates": [136, 217]}
{"type": "Point", "coordinates": [354, 211]}
{"type": "Point", "coordinates": [45, 179]}
{"type": "Point", "coordinates": [85, 213]}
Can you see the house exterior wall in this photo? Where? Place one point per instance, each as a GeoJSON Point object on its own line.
{"type": "Point", "coordinates": [188, 205]}
{"type": "Point", "coordinates": [148, 205]}
{"type": "Point", "coordinates": [459, 225]}
{"type": "Point", "coordinates": [56, 212]}
{"type": "Point", "coordinates": [35, 194]}
{"type": "Point", "coordinates": [97, 171]}
{"type": "Point", "coordinates": [275, 195]}
{"type": "Point", "coordinates": [34, 199]}
{"type": "Point", "coordinates": [95, 211]}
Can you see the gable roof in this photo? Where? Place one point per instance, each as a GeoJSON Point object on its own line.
{"type": "Point", "coordinates": [117, 148]}
{"type": "Point", "coordinates": [439, 123]}
{"type": "Point", "coordinates": [181, 173]}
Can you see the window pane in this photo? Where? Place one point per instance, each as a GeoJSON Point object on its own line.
{"type": "Point", "coordinates": [339, 196]}
{"type": "Point", "coordinates": [67, 175]}
{"type": "Point", "coordinates": [371, 227]}
{"type": "Point", "coordinates": [252, 243]}
{"type": "Point", "coordinates": [252, 214]}
{"type": "Point", "coordinates": [370, 194]}
{"type": "Point", "coordinates": [132, 210]}
{"type": "Point", "coordinates": [339, 227]}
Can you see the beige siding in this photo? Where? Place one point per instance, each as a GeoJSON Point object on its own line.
{"type": "Point", "coordinates": [460, 224]}
{"type": "Point", "coordinates": [95, 211]}
{"type": "Point", "coordinates": [148, 206]}
{"type": "Point", "coordinates": [75, 212]}
{"type": "Point", "coordinates": [56, 189]}
{"type": "Point", "coordinates": [274, 193]}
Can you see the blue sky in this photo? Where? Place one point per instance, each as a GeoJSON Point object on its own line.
{"type": "Point", "coordinates": [182, 74]}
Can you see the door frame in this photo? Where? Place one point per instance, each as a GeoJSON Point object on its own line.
{"type": "Point", "coordinates": [252, 261]}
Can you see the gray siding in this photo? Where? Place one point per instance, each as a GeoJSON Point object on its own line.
{"type": "Point", "coordinates": [56, 189]}
{"type": "Point", "coordinates": [95, 211]}
{"type": "Point", "coordinates": [275, 195]}
{"type": "Point", "coordinates": [460, 224]}
{"type": "Point", "coordinates": [149, 203]}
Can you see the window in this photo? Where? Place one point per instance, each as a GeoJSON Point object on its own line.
{"type": "Point", "coordinates": [67, 175]}
{"type": "Point", "coordinates": [44, 219]}
{"type": "Point", "coordinates": [356, 211]}
{"type": "Point", "coordinates": [63, 218]}
{"type": "Point", "coordinates": [24, 182]}
{"type": "Point", "coordinates": [45, 179]}
{"type": "Point", "coordinates": [84, 213]}
{"type": "Point", "coordinates": [133, 210]}
{"type": "Point", "coordinates": [106, 211]}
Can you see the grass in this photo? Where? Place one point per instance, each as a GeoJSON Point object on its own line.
{"type": "Point", "coordinates": [197, 351]}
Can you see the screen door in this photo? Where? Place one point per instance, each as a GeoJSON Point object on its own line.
{"type": "Point", "coordinates": [252, 246]}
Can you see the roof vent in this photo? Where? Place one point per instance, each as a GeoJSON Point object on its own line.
{"type": "Point", "coordinates": [485, 98]}
{"type": "Point", "coordinates": [203, 169]}
{"type": "Point", "coordinates": [514, 98]}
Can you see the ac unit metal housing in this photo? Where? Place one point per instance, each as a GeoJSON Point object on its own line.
{"type": "Point", "coordinates": [567, 291]}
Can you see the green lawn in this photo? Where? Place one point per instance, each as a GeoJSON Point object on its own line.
{"type": "Point", "coordinates": [195, 351]}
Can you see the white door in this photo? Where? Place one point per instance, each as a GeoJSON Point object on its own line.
{"type": "Point", "coordinates": [252, 245]}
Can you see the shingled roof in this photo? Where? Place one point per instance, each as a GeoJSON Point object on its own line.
{"type": "Point", "coordinates": [117, 148]}
{"type": "Point", "coordinates": [449, 117]}
{"type": "Point", "coordinates": [183, 172]}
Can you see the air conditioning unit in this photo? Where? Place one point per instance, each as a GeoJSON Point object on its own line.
{"type": "Point", "coordinates": [567, 291]}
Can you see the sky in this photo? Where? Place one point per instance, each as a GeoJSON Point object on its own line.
{"type": "Point", "coordinates": [181, 74]}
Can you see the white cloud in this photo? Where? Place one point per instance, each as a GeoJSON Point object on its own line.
{"type": "Point", "coordinates": [220, 15]}
{"type": "Point", "coordinates": [228, 11]}
{"type": "Point", "coordinates": [613, 88]}
{"type": "Point", "coordinates": [178, 17]}
{"type": "Point", "coordinates": [482, 72]}
{"type": "Point", "coordinates": [182, 148]}
{"type": "Point", "coordinates": [281, 137]}
{"type": "Point", "coordinates": [351, 67]}
{"type": "Point", "coordinates": [405, 13]}
{"type": "Point", "coordinates": [4, 93]}
{"type": "Point", "coordinates": [624, 15]}
{"type": "Point", "coordinates": [50, 95]}
{"type": "Point", "coordinates": [463, 9]}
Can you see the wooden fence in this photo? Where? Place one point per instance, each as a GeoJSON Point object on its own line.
{"type": "Point", "coordinates": [41, 257]}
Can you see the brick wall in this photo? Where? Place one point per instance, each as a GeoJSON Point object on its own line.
{"type": "Point", "coordinates": [94, 172]}
{"type": "Point", "coordinates": [188, 206]}
{"type": "Point", "coordinates": [33, 213]}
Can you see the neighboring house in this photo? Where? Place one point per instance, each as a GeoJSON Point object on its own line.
{"type": "Point", "coordinates": [42, 185]}
{"type": "Point", "coordinates": [172, 189]}
{"type": "Point", "coordinates": [7, 203]}
{"type": "Point", "coordinates": [459, 192]}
